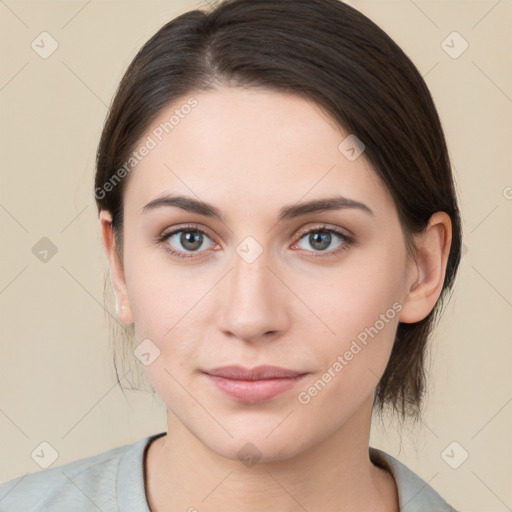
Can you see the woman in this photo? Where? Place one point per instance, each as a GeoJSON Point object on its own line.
{"type": "Point", "coordinates": [278, 211]}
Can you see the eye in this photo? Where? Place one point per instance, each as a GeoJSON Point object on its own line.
{"type": "Point", "coordinates": [190, 241]}
{"type": "Point", "coordinates": [186, 239]}
{"type": "Point", "coordinates": [321, 238]}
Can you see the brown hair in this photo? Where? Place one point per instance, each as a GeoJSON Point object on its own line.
{"type": "Point", "coordinates": [327, 52]}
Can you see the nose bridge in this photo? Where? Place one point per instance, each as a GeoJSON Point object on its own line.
{"type": "Point", "coordinates": [250, 279]}
{"type": "Point", "coordinates": [250, 307]}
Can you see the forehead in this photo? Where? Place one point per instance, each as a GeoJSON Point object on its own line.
{"type": "Point", "coordinates": [251, 147]}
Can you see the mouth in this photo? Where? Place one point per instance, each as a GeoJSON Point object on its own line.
{"type": "Point", "coordinates": [253, 385]}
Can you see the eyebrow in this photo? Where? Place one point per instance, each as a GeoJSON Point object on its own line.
{"type": "Point", "coordinates": [287, 212]}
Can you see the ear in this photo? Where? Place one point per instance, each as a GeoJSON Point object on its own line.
{"type": "Point", "coordinates": [427, 274]}
{"type": "Point", "coordinates": [117, 277]}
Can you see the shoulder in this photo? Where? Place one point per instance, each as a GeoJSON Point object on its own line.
{"type": "Point", "coordinates": [90, 483]}
{"type": "Point", "coordinates": [414, 494]}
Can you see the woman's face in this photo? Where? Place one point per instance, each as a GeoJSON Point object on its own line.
{"type": "Point", "coordinates": [253, 286]}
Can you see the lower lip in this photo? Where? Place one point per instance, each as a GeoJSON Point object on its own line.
{"type": "Point", "coordinates": [254, 391]}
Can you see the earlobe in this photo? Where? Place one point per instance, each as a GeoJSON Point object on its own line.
{"type": "Point", "coordinates": [117, 277]}
{"type": "Point", "coordinates": [428, 271]}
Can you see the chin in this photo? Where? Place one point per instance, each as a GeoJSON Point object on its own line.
{"type": "Point", "coordinates": [251, 453]}
{"type": "Point", "coordinates": [255, 446]}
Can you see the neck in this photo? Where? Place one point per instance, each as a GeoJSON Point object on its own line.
{"type": "Point", "coordinates": [336, 474]}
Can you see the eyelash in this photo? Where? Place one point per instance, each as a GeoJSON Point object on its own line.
{"type": "Point", "coordinates": [347, 240]}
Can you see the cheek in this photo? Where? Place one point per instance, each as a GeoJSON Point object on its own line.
{"type": "Point", "coordinates": [159, 294]}
{"type": "Point", "coordinates": [352, 364]}
{"type": "Point", "coordinates": [342, 302]}
{"type": "Point", "coordinates": [356, 311]}
{"type": "Point", "coordinates": [170, 307]}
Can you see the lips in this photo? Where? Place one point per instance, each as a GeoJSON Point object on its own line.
{"type": "Point", "coordinates": [253, 385]}
{"type": "Point", "coordinates": [257, 373]}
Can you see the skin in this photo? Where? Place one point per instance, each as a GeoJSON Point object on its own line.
{"type": "Point", "coordinates": [250, 152]}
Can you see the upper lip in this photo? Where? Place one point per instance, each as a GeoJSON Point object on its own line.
{"type": "Point", "coordinates": [257, 373]}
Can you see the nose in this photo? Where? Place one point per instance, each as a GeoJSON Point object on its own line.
{"type": "Point", "coordinates": [252, 302]}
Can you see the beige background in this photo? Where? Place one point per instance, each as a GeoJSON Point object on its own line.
{"type": "Point", "coordinates": [57, 380]}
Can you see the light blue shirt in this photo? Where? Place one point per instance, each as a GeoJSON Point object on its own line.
{"type": "Point", "coordinates": [113, 481]}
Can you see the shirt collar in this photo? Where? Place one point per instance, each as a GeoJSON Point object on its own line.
{"type": "Point", "coordinates": [414, 494]}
